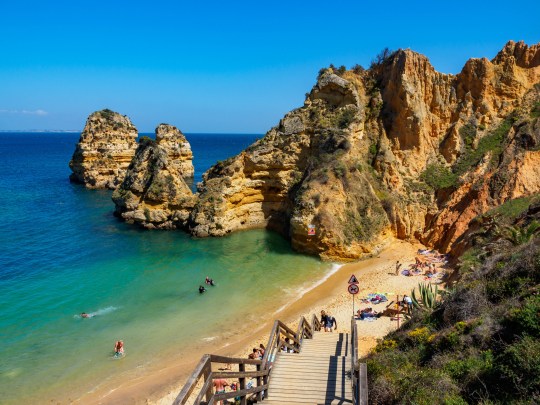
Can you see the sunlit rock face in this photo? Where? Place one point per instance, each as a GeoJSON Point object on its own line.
{"type": "Point", "coordinates": [104, 151]}
{"type": "Point", "coordinates": [154, 193]}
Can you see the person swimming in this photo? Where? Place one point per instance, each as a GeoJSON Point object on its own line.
{"type": "Point", "coordinates": [209, 281]}
{"type": "Point", "coordinates": [201, 289]}
{"type": "Point", "coordinates": [85, 315]}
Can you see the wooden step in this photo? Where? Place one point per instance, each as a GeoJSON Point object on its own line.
{"type": "Point", "coordinates": [313, 401]}
{"type": "Point", "coordinates": [271, 401]}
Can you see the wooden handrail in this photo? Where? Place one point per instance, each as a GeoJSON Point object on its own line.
{"type": "Point", "coordinates": [245, 374]}
{"type": "Point", "coordinates": [276, 342]}
{"type": "Point", "coordinates": [207, 386]}
{"type": "Point", "coordinates": [315, 323]}
{"type": "Point", "coordinates": [241, 393]}
{"type": "Point", "coordinates": [358, 370]}
{"type": "Point", "coordinates": [192, 381]}
{"type": "Point", "coordinates": [233, 360]}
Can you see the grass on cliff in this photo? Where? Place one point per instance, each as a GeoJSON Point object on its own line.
{"type": "Point", "coordinates": [512, 209]}
{"type": "Point", "coordinates": [481, 345]}
{"type": "Point", "coordinates": [493, 142]}
{"type": "Point", "coordinates": [535, 110]}
{"type": "Point", "coordinates": [438, 176]}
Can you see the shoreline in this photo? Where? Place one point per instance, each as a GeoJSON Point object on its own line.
{"type": "Point", "coordinates": [375, 274]}
{"type": "Point", "coordinates": [331, 294]}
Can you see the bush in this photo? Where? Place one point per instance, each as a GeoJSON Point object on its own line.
{"type": "Point", "coordinates": [535, 110]}
{"type": "Point", "coordinates": [468, 134]}
{"type": "Point", "coordinates": [520, 363]}
{"type": "Point", "coordinates": [526, 320]}
{"type": "Point", "coordinates": [358, 69]}
{"type": "Point", "coordinates": [107, 114]}
{"type": "Point", "coordinates": [512, 209]}
{"type": "Point", "coordinates": [340, 169]}
{"type": "Point", "coordinates": [492, 142]}
{"type": "Point", "coordinates": [382, 57]}
{"type": "Point", "coordinates": [438, 177]}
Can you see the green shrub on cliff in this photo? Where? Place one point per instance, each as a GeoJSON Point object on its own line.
{"type": "Point", "coordinates": [482, 344]}
{"type": "Point", "coordinates": [107, 114]}
{"type": "Point", "coordinates": [535, 110]}
{"type": "Point", "coordinates": [491, 143]}
{"type": "Point", "coordinates": [438, 176]}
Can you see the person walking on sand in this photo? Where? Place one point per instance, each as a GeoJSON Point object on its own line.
{"type": "Point", "coordinates": [219, 385]}
{"type": "Point", "coordinates": [408, 301]}
{"type": "Point", "coordinates": [398, 266]}
{"type": "Point", "coordinates": [329, 321]}
{"type": "Point", "coordinates": [323, 320]}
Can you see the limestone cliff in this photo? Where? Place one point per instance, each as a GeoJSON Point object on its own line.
{"type": "Point", "coordinates": [105, 149]}
{"type": "Point", "coordinates": [398, 148]}
{"type": "Point", "coordinates": [154, 193]}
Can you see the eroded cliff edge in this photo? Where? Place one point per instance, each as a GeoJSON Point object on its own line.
{"type": "Point", "coordinates": [398, 149]}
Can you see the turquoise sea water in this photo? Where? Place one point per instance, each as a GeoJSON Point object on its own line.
{"type": "Point", "coordinates": [62, 252]}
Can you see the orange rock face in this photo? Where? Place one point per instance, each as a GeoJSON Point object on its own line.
{"type": "Point", "coordinates": [367, 156]}
{"type": "Point", "coordinates": [397, 150]}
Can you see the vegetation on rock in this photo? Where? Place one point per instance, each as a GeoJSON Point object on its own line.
{"type": "Point", "coordinates": [482, 343]}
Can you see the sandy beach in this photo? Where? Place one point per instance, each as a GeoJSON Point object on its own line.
{"type": "Point", "coordinates": [375, 275]}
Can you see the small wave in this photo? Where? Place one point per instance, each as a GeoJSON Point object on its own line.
{"type": "Point", "coordinates": [12, 373]}
{"type": "Point", "coordinates": [102, 311]}
{"type": "Point", "coordinates": [302, 291]}
{"type": "Point", "coordinates": [209, 339]}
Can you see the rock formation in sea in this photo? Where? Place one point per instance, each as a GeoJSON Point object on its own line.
{"type": "Point", "coordinates": [154, 193]}
{"type": "Point", "coordinates": [395, 150]}
{"type": "Point", "coordinates": [105, 149]}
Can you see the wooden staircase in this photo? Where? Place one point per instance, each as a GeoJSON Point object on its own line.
{"type": "Point", "coordinates": [315, 371]}
{"type": "Point", "coordinates": [318, 375]}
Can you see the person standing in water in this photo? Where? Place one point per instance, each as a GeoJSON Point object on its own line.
{"type": "Point", "coordinates": [119, 348]}
{"type": "Point", "coordinates": [201, 289]}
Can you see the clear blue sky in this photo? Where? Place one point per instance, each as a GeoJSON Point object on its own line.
{"type": "Point", "coordinates": [224, 66]}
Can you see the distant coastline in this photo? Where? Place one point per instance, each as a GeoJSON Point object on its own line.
{"type": "Point", "coordinates": [77, 131]}
{"type": "Point", "coordinates": [36, 131]}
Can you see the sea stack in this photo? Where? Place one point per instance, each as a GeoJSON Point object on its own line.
{"type": "Point", "coordinates": [154, 193]}
{"type": "Point", "coordinates": [104, 152]}
{"type": "Point", "coordinates": [178, 149]}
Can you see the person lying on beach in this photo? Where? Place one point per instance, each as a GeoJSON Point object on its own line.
{"type": "Point", "coordinates": [368, 313]}
{"type": "Point", "coordinates": [119, 348]}
{"type": "Point", "coordinates": [201, 289]}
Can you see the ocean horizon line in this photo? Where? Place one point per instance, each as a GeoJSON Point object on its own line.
{"type": "Point", "coordinates": [75, 131]}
